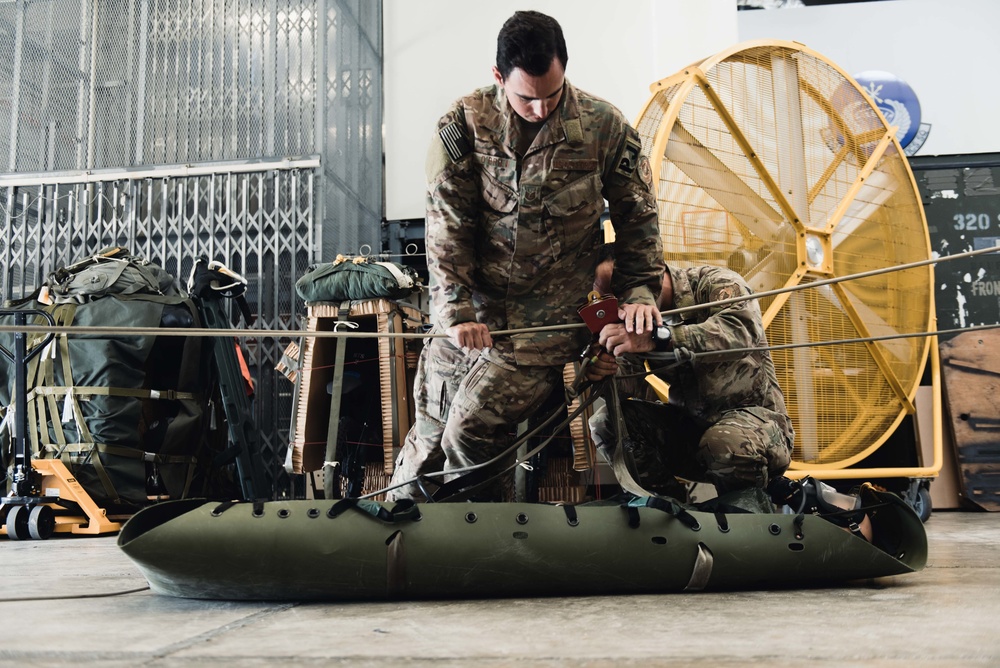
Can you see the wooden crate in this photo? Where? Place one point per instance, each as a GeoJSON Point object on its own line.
{"type": "Point", "coordinates": [584, 452]}
{"type": "Point", "coordinates": [396, 366]}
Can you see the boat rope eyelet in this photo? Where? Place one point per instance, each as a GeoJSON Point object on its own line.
{"type": "Point", "coordinates": [258, 509]}
{"type": "Point", "coordinates": [774, 529]}
{"type": "Point", "coordinates": [471, 518]}
{"type": "Point", "coordinates": [521, 518]}
{"type": "Point", "coordinates": [283, 513]}
{"type": "Point", "coordinates": [312, 513]}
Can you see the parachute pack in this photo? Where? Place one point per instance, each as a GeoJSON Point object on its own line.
{"type": "Point", "coordinates": [356, 278]}
{"type": "Point", "coordinates": [127, 414]}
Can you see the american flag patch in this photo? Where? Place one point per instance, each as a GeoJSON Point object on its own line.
{"type": "Point", "coordinates": [455, 141]}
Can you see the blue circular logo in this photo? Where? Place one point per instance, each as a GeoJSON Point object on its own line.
{"type": "Point", "coordinates": [895, 99]}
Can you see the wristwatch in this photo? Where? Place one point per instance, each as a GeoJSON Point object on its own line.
{"type": "Point", "coordinates": [661, 338]}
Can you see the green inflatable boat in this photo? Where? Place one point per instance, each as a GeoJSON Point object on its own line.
{"type": "Point", "coordinates": [364, 550]}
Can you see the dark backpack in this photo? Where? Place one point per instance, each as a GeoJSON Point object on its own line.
{"type": "Point", "coordinates": [127, 414]}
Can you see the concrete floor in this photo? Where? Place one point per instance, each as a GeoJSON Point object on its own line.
{"type": "Point", "coordinates": [58, 610]}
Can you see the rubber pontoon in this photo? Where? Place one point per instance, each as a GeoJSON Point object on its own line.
{"type": "Point", "coordinates": [350, 549]}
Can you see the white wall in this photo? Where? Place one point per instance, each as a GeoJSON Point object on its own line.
{"type": "Point", "coordinates": [439, 50]}
{"type": "Point", "coordinates": [947, 50]}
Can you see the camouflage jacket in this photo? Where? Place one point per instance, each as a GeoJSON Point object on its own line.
{"type": "Point", "coordinates": [512, 240]}
{"type": "Point", "coordinates": [708, 388]}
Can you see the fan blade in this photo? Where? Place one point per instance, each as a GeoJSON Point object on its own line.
{"type": "Point", "coordinates": [806, 434]}
{"type": "Point", "coordinates": [878, 188]}
{"type": "Point", "coordinates": [863, 328]}
{"type": "Point", "coordinates": [721, 183]}
{"type": "Point", "coordinates": [791, 153]}
{"type": "Point", "coordinates": [874, 325]}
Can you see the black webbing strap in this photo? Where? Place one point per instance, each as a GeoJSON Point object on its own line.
{"type": "Point", "coordinates": [722, 520]}
{"type": "Point", "coordinates": [468, 481]}
{"type": "Point", "coordinates": [571, 518]}
{"type": "Point", "coordinates": [405, 510]}
{"type": "Point", "coordinates": [420, 480]}
{"type": "Point", "coordinates": [673, 508]}
{"type": "Point", "coordinates": [797, 525]}
{"type": "Point", "coordinates": [664, 505]}
{"type": "Point", "coordinates": [337, 509]}
{"type": "Point", "coordinates": [223, 507]}
{"type": "Point", "coordinates": [633, 516]}
{"type": "Point", "coordinates": [851, 519]}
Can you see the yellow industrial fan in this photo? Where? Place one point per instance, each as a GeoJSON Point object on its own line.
{"type": "Point", "coordinates": [769, 159]}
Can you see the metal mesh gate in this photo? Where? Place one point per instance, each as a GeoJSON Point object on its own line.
{"type": "Point", "coordinates": [163, 126]}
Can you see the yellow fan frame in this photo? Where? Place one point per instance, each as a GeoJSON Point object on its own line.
{"type": "Point", "coordinates": [695, 75]}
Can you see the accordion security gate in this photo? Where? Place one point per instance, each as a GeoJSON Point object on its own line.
{"type": "Point", "coordinates": [258, 220]}
{"type": "Point", "coordinates": [162, 126]}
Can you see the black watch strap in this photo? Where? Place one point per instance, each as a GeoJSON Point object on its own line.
{"type": "Point", "coordinates": [661, 338]}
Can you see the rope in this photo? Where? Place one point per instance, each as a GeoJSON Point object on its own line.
{"type": "Point", "coordinates": [280, 333]}
{"type": "Point", "coordinates": [506, 453]}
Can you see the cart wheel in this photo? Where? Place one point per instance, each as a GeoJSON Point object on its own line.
{"type": "Point", "coordinates": [922, 504]}
{"type": "Point", "coordinates": [41, 522]}
{"type": "Point", "coordinates": [17, 523]}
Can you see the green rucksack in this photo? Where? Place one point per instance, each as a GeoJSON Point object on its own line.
{"type": "Point", "coordinates": [127, 414]}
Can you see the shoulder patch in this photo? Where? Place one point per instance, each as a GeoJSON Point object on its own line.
{"type": "Point", "coordinates": [455, 142]}
{"type": "Point", "coordinates": [574, 131]}
{"type": "Point", "coordinates": [723, 292]}
{"type": "Point", "coordinates": [627, 159]}
{"type": "Point", "coordinates": [645, 173]}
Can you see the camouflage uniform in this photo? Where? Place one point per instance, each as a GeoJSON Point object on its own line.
{"type": "Point", "coordinates": [512, 242]}
{"type": "Point", "coordinates": [726, 421]}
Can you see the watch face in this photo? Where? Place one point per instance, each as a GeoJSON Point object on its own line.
{"type": "Point", "coordinates": [663, 333]}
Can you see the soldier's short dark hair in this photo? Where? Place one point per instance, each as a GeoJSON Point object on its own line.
{"type": "Point", "coordinates": [530, 40]}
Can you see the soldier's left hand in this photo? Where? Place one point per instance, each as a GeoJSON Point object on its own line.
{"type": "Point", "coordinates": [639, 318]}
{"type": "Point", "coordinates": [602, 365]}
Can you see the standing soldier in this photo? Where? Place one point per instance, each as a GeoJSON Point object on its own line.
{"type": "Point", "coordinates": [518, 174]}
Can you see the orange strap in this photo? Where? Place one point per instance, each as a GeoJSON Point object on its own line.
{"type": "Point", "coordinates": [244, 369]}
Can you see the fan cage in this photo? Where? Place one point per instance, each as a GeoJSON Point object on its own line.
{"type": "Point", "coordinates": [770, 160]}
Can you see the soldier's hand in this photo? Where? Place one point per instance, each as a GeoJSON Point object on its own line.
{"type": "Point", "coordinates": [639, 318]}
{"type": "Point", "coordinates": [470, 335]}
{"type": "Point", "coordinates": [602, 364]}
{"type": "Point", "coordinates": [617, 340]}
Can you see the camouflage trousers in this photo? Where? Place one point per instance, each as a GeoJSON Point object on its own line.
{"type": "Point", "coordinates": [467, 405]}
{"type": "Point", "coordinates": [744, 448]}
